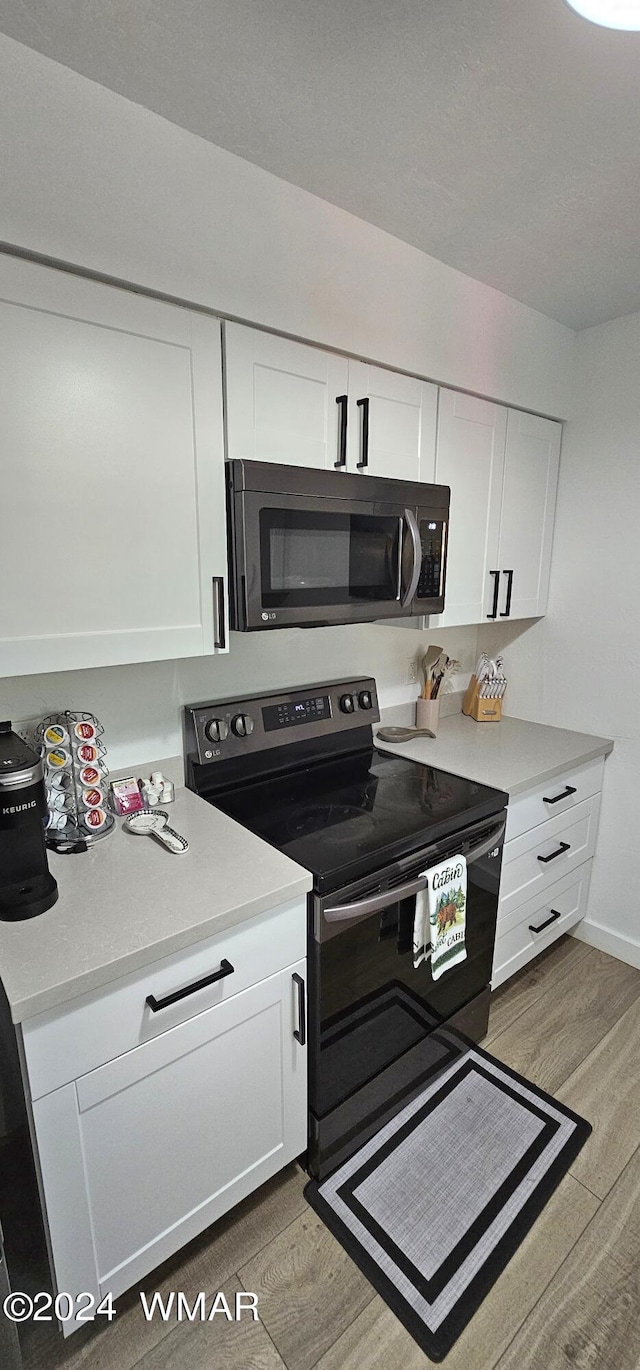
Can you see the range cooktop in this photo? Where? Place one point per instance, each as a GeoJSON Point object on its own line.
{"type": "Point", "coordinates": [300, 770]}
{"type": "Point", "coordinates": [344, 818]}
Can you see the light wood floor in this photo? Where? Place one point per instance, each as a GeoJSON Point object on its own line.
{"type": "Point", "coordinates": [570, 1298]}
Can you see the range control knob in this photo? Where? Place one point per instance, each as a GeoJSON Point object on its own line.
{"type": "Point", "coordinates": [365, 699]}
{"type": "Point", "coordinates": [216, 729]}
{"type": "Point", "coordinates": [242, 725]}
{"type": "Point", "coordinates": [347, 704]}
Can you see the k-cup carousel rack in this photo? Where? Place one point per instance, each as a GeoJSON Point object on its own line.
{"type": "Point", "coordinates": [76, 776]}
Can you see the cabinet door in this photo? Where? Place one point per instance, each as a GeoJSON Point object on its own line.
{"type": "Point", "coordinates": [470, 459]}
{"type": "Point", "coordinates": [532, 457]}
{"type": "Point", "coordinates": [282, 399]}
{"type": "Point", "coordinates": [143, 1153]}
{"type": "Point", "coordinates": [392, 423]}
{"type": "Point", "coordinates": [111, 434]}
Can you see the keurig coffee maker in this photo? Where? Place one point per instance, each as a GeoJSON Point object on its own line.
{"type": "Point", "coordinates": [26, 886]}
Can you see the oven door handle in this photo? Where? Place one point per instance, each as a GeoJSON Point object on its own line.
{"type": "Point", "coordinates": [361, 908]}
{"type": "Point", "coordinates": [416, 551]}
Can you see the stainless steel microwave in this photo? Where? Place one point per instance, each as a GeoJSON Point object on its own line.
{"type": "Point", "coordinates": [311, 547]}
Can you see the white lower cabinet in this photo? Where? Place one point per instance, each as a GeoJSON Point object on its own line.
{"type": "Point", "coordinates": [546, 865]}
{"type": "Point", "coordinates": [142, 1153]}
{"type": "Point", "coordinates": [536, 924]}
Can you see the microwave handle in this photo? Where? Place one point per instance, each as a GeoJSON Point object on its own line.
{"type": "Point", "coordinates": [416, 564]}
{"type": "Point", "coordinates": [361, 908]}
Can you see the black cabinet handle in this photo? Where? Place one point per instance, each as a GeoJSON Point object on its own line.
{"type": "Point", "coordinates": [552, 919]}
{"type": "Point", "coordinates": [364, 440]}
{"type": "Point", "coordinates": [219, 637]}
{"type": "Point", "coordinates": [555, 799]}
{"type": "Point", "coordinates": [343, 401]}
{"type": "Point", "coordinates": [564, 846]}
{"type": "Point", "coordinates": [155, 1004]}
{"type": "Point", "coordinates": [496, 589]}
{"type": "Point", "coordinates": [300, 1033]}
{"type": "Point", "coordinates": [504, 613]}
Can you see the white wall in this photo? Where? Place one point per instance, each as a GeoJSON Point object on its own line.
{"type": "Point", "coordinates": [92, 179]}
{"type": "Point", "coordinates": [140, 706]}
{"type": "Point", "coordinates": [580, 667]}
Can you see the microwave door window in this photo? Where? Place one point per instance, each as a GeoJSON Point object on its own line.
{"type": "Point", "coordinates": [300, 560]}
{"type": "Point", "coordinates": [314, 559]}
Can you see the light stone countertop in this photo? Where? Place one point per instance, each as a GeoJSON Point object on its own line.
{"type": "Point", "coordinates": [127, 902]}
{"type": "Point", "coordinates": [512, 755]}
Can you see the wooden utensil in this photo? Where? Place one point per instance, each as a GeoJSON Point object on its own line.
{"type": "Point", "coordinates": [429, 659]}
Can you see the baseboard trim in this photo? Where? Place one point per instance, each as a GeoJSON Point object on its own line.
{"type": "Point", "coordinates": [611, 942]}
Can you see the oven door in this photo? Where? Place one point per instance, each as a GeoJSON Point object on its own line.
{"type": "Point", "coordinates": [304, 560]}
{"type": "Point", "coordinates": [373, 1016]}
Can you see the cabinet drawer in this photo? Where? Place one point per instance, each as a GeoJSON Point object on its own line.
{"type": "Point", "coordinates": [66, 1043]}
{"type": "Point", "coordinates": [548, 800]}
{"type": "Point", "coordinates": [523, 934]}
{"type": "Point", "coordinates": [538, 858]}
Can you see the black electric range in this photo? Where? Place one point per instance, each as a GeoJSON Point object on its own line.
{"type": "Point", "coordinates": [300, 769]}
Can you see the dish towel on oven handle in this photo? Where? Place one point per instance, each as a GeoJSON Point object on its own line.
{"type": "Point", "coordinates": [439, 924]}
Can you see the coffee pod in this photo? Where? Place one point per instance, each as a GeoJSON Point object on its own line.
{"type": "Point", "coordinates": [59, 780]}
{"type": "Point", "coordinates": [58, 758]}
{"type": "Point", "coordinates": [55, 735]}
{"type": "Point", "coordinates": [84, 731]}
{"type": "Point", "coordinates": [92, 799]}
{"type": "Point", "coordinates": [95, 819]}
{"type": "Point", "coordinates": [87, 752]}
{"type": "Point", "coordinates": [90, 775]}
{"type": "Point", "coordinates": [55, 820]}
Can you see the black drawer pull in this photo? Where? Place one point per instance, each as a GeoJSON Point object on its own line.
{"type": "Point", "coordinates": [300, 1033]}
{"type": "Point", "coordinates": [552, 919]}
{"type": "Point", "coordinates": [564, 846]}
{"type": "Point", "coordinates": [155, 1004]}
{"type": "Point", "coordinates": [555, 799]}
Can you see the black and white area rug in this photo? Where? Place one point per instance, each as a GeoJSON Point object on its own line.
{"type": "Point", "coordinates": [433, 1207]}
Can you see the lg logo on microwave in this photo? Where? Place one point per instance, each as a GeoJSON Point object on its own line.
{"type": "Point", "coordinates": [266, 617]}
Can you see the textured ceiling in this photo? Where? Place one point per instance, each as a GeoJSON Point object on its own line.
{"type": "Point", "coordinates": [501, 137]}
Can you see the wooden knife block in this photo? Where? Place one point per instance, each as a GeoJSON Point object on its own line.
{"type": "Point", "coordinates": [482, 710]}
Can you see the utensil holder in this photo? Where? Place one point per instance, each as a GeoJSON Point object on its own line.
{"type": "Point", "coordinates": [428, 713]}
{"type": "Point", "coordinates": [482, 710]}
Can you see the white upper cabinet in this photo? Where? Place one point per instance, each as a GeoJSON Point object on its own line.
{"type": "Point", "coordinates": [392, 423]}
{"type": "Point", "coordinates": [502, 466]}
{"type": "Point", "coordinates": [282, 399]}
{"type": "Point", "coordinates": [532, 456]}
{"type": "Point", "coordinates": [113, 541]}
{"type": "Point", "coordinates": [470, 459]}
{"type": "Point", "coordinates": [291, 403]}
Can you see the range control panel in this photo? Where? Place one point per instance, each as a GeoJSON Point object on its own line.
{"type": "Point", "coordinates": [225, 729]}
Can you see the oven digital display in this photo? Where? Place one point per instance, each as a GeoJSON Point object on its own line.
{"type": "Point", "coordinates": [291, 712]}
